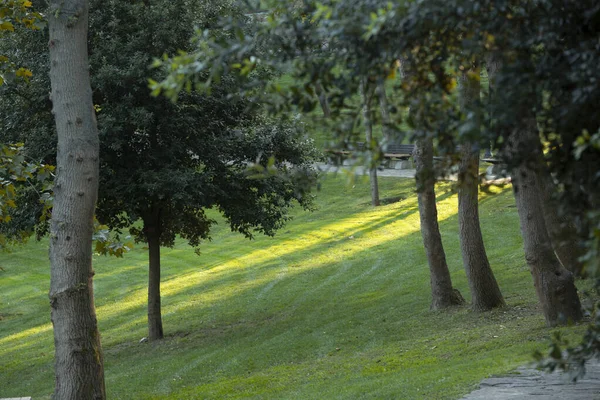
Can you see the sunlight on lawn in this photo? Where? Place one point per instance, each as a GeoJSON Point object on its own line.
{"type": "Point", "coordinates": [399, 220]}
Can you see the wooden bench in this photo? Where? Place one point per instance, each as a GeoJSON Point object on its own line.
{"type": "Point", "coordinates": [395, 155]}
{"type": "Point", "coordinates": [395, 151]}
{"type": "Point", "coordinates": [496, 168]}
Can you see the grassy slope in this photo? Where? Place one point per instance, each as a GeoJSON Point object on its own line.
{"type": "Point", "coordinates": [335, 306]}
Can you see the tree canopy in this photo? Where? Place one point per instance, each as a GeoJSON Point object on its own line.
{"type": "Point", "coordinates": [547, 50]}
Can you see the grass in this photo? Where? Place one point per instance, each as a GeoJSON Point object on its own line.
{"type": "Point", "coordinates": [336, 306]}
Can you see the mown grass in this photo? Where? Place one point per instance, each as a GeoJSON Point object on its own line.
{"type": "Point", "coordinates": [336, 306]}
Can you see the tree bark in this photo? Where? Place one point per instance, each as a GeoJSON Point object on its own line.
{"type": "Point", "coordinates": [79, 367]}
{"type": "Point", "coordinates": [443, 295]}
{"type": "Point", "coordinates": [152, 229]}
{"type": "Point", "coordinates": [553, 283]}
{"type": "Point", "coordinates": [369, 141]}
{"type": "Point", "coordinates": [563, 233]}
{"type": "Point", "coordinates": [485, 292]}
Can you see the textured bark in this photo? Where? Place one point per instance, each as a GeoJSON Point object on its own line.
{"type": "Point", "coordinates": [78, 355]}
{"type": "Point", "coordinates": [443, 295]}
{"type": "Point", "coordinates": [366, 98]}
{"type": "Point", "coordinates": [563, 233]}
{"type": "Point", "coordinates": [553, 283]}
{"type": "Point", "coordinates": [152, 229]}
{"type": "Point", "coordinates": [485, 292]}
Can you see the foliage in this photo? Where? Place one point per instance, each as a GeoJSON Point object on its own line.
{"type": "Point", "coordinates": [179, 159]}
{"type": "Point", "coordinates": [548, 50]}
{"type": "Point", "coordinates": [108, 243]}
{"type": "Point", "coordinates": [14, 169]}
{"type": "Point", "coordinates": [16, 174]}
{"type": "Point", "coordinates": [16, 13]}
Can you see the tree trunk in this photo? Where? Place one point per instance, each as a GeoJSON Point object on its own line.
{"type": "Point", "coordinates": [322, 95]}
{"type": "Point", "coordinates": [485, 292]}
{"type": "Point", "coordinates": [563, 233]}
{"type": "Point", "coordinates": [79, 367]}
{"type": "Point", "coordinates": [385, 112]}
{"type": "Point", "coordinates": [369, 142]}
{"type": "Point", "coordinates": [443, 295]}
{"type": "Point", "coordinates": [152, 230]}
{"type": "Point", "coordinates": [553, 283]}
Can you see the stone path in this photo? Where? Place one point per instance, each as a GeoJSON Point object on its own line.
{"type": "Point", "coordinates": [360, 170]}
{"type": "Point", "coordinates": [398, 173]}
{"type": "Point", "coordinates": [531, 384]}
{"type": "Point", "coordinates": [16, 398]}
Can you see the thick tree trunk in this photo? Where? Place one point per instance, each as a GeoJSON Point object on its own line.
{"type": "Point", "coordinates": [152, 229]}
{"type": "Point", "coordinates": [443, 295]}
{"type": "Point", "coordinates": [563, 233]}
{"type": "Point", "coordinates": [78, 355]}
{"type": "Point", "coordinates": [485, 292]}
{"type": "Point", "coordinates": [369, 140]}
{"type": "Point", "coordinates": [553, 283]}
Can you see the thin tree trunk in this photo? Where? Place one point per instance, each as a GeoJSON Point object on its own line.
{"type": "Point", "coordinates": [485, 292]}
{"type": "Point", "coordinates": [443, 295]}
{"type": "Point", "coordinates": [152, 229]}
{"type": "Point", "coordinates": [369, 141]}
{"type": "Point", "coordinates": [322, 95]}
{"type": "Point", "coordinates": [79, 367]}
{"type": "Point", "coordinates": [385, 112]}
{"type": "Point", "coordinates": [553, 283]}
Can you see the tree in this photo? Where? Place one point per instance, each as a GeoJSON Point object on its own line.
{"type": "Point", "coordinates": [384, 107]}
{"type": "Point", "coordinates": [553, 283]}
{"type": "Point", "coordinates": [561, 229]}
{"type": "Point", "coordinates": [78, 367]}
{"type": "Point", "coordinates": [556, 38]}
{"type": "Point", "coordinates": [366, 93]}
{"type": "Point", "coordinates": [443, 295]}
{"type": "Point", "coordinates": [485, 293]}
{"type": "Point", "coordinates": [339, 70]}
{"type": "Point", "coordinates": [164, 164]}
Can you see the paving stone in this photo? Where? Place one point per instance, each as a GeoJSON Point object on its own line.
{"type": "Point", "coordinates": [531, 384]}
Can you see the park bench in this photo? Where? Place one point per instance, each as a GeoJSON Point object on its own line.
{"type": "Point", "coordinates": [395, 155]}
{"type": "Point", "coordinates": [497, 166]}
{"type": "Point", "coordinates": [395, 151]}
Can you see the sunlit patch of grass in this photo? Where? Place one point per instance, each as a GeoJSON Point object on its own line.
{"type": "Point", "coordinates": [336, 305]}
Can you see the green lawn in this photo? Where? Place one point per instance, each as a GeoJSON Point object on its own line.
{"type": "Point", "coordinates": [335, 306]}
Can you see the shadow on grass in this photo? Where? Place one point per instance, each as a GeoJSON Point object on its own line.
{"type": "Point", "coordinates": [279, 305]}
